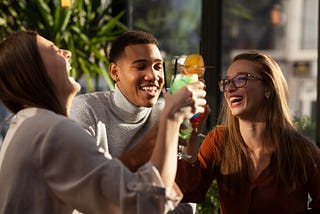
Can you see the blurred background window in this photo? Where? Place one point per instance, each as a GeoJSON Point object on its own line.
{"type": "Point", "coordinates": [175, 23]}
{"type": "Point", "coordinates": [285, 29]}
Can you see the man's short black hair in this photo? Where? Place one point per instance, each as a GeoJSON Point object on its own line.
{"type": "Point", "coordinates": [133, 37]}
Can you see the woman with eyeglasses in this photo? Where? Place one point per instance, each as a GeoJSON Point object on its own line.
{"type": "Point", "coordinates": [261, 163]}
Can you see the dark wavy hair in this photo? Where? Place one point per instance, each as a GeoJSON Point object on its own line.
{"type": "Point", "coordinates": [24, 81]}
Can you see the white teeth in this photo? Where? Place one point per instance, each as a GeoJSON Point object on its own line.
{"type": "Point", "coordinates": [150, 88]}
{"type": "Point", "coordinates": [235, 99]}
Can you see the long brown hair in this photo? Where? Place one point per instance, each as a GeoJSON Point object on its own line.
{"type": "Point", "coordinates": [292, 150]}
{"type": "Point", "coordinates": [23, 77]}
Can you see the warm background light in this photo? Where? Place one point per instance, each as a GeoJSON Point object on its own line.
{"type": "Point", "coordinates": [66, 3]}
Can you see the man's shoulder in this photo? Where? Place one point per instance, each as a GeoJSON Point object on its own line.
{"type": "Point", "coordinates": [93, 96]}
{"type": "Point", "coordinates": [89, 103]}
{"type": "Point", "coordinates": [100, 98]}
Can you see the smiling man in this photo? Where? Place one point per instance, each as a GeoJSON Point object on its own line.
{"type": "Point", "coordinates": [124, 121]}
{"type": "Point", "coordinates": [120, 118]}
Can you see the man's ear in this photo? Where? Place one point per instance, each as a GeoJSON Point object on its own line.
{"type": "Point", "coordinates": [113, 68]}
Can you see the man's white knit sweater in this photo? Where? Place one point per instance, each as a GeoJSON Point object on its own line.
{"type": "Point", "coordinates": [116, 123]}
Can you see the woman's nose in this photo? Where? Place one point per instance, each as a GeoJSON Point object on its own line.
{"type": "Point", "coordinates": [67, 54]}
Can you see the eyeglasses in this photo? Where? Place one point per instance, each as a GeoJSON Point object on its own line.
{"type": "Point", "coordinates": [238, 81]}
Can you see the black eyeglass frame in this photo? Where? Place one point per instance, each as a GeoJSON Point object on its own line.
{"type": "Point", "coordinates": [222, 84]}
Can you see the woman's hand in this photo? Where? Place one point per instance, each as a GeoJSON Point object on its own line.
{"type": "Point", "coordinates": [186, 102]}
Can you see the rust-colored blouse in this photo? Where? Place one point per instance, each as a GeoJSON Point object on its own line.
{"type": "Point", "coordinates": [261, 196]}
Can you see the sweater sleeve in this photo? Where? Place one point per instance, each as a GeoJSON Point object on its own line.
{"type": "Point", "coordinates": [79, 175]}
{"type": "Point", "coordinates": [195, 179]}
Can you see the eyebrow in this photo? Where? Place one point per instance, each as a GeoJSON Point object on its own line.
{"type": "Point", "coordinates": [238, 73]}
{"type": "Point", "coordinates": [144, 60]}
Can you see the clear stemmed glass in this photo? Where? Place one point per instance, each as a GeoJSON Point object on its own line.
{"type": "Point", "coordinates": [179, 80]}
{"type": "Point", "coordinates": [188, 74]}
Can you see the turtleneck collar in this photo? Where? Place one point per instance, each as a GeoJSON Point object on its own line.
{"type": "Point", "coordinates": [128, 111]}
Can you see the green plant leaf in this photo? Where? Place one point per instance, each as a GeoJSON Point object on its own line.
{"type": "Point", "coordinates": [86, 29]}
{"type": "Point", "coordinates": [45, 12]}
{"type": "Point", "coordinates": [86, 73]}
{"type": "Point", "coordinates": [111, 24]}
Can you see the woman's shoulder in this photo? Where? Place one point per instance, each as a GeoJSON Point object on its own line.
{"type": "Point", "coordinates": [217, 132]}
{"type": "Point", "coordinates": [305, 149]}
{"type": "Point", "coordinates": [215, 137]}
{"type": "Point", "coordinates": [60, 131]}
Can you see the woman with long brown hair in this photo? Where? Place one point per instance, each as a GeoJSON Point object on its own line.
{"type": "Point", "coordinates": [49, 164]}
{"type": "Point", "coordinates": [262, 164]}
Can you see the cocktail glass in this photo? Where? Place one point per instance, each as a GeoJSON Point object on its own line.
{"type": "Point", "coordinates": [177, 81]}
